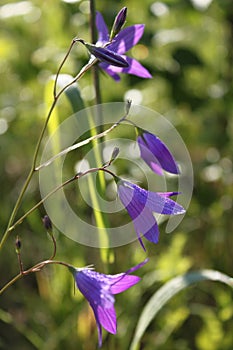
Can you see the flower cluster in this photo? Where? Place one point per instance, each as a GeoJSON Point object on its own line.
{"type": "Point", "coordinates": [97, 288]}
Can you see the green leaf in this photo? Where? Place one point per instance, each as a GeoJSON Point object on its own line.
{"type": "Point", "coordinates": [167, 291]}
{"type": "Point", "coordinates": [74, 97]}
{"type": "Point", "coordinates": [72, 92]}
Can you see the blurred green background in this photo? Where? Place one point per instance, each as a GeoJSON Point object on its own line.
{"type": "Point", "coordinates": [188, 48]}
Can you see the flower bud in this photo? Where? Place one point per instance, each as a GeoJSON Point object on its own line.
{"type": "Point", "coordinates": [128, 106]}
{"type": "Point", "coordinates": [47, 223]}
{"type": "Point", "coordinates": [17, 244]}
{"type": "Point", "coordinates": [115, 153]}
{"type": "Point", "coordinates": [118, 22]}
{"type": "Point", "coordinates": [105, 55]}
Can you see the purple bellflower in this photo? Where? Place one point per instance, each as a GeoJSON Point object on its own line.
{"type": "Point", "coordinates": [155, 153]}
{"type": "Point", "coordinates": [140, 205]}
{"type": "Point", "coordinates": [99, 290]}
{"type": "Point", "coordinates": [122, 42]}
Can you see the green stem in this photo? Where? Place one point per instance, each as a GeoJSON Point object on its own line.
{"type": "Point", "coordinates": [54, 246]}
{"type": "Point", "coordinates": [79, 144]}
{"type": "Point", "coordinates": [35, 268]}
{"type": "Point", "coordinates": [61, 65]}
{"type": "Point", "coordinates": [29, 177]}
{"type": "Point", "coordinates": [95, 68]}
{"type": "Point", "coordinates": [40, 265]}
{"type": "Point", "coordinates": [19, 221]}
{"type": "Point", "coordinates": [76, 177]}
{"type": "Point", "coordinates": [100, 217]}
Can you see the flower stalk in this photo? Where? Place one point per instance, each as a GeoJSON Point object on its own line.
{"type": "Point", "coordinates": [36, 152]}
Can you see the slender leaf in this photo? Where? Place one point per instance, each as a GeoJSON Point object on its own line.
{"type": "Point", "coordinates": [73, 95]}
{"type": "Point", "coordinates": [166, 292]}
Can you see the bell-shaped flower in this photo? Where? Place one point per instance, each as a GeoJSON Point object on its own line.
{"type": "Point", "coordinates": [99, 290]}
{"type": "Point", "coordinates": [155, 153]}
{"type": "Point", "coordinates": [122, 42]}
{"type": "Point", "coordinates": [140, 205]}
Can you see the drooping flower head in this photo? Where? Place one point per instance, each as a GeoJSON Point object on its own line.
{"type": "Point", "coordinates": [99, 290]}
{"type": "Point", "coordinates": [140, 205]}
{"type": "Point", "coordinates": [155, 153]}
{"type": "Point", "coordinates": [122, 42]}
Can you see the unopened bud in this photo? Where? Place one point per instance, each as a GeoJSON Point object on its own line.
{"type": "Point", "coordinates": [118, 22]}
{"type": "Point", "coordinates": [115, 153]}
{"type": "Point", "coordinates": [105, 55]}
{"type": "Point", "coordinates": [17, 244]}
{"type": "Point", "coordinates": [127, 106]}
{"type": "Point", "coordinates": [47, 223]}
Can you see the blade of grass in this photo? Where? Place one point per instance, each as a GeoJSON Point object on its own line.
{"type": "Point", "coordinates": [166, 292]}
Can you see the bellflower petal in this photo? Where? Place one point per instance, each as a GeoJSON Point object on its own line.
{"type": "Point", "coordinates": [99, 328]}
{"type": "Point", "coordinates": [146, 225]}
{"type": "Point", "coordinates": [127, 38]}
{"type": "Point", "coordinates": [143, 220]}
{"type": "Point", "coordinates": [156, 154]}
{"type": "Point", "coordinates": [107, 319]}
{"type": "Point", "coordinates": [108, 69]}
{"type": "Point", "coordinates": [124, 283]}
{"type": "Point", "coordinates": [99, 290]}
{"type": "Point", "coordinates": [103, 35]}
{"type": "Point", "coordinates": [152, 235]}
{"type": "Point", "coordinates": [140, 205]}
{"type": "Point", "coordinates": [134, 68]}
{"type": "Point", "coordinates": [158, 203]}
{"type": "Point", "coordinates": [168, 194]}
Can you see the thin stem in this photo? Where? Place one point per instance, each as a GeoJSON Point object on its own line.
{"type": "Point", "coordinates": [92, 21]}
{"type": "Point", "coordinates": [61, 65]}
{"type": "Point", "coordinates": [76, 177]}
{"type": "Point", "coordinates": [130, 122]}
{"type": "Point", "coordinates": [20, 220]}
{"type": "Point", "coordinates": [35, 268]}
{"type": "Point", "coordinates": [20, 262]}
{"type": "Point", "coordinates": [33, 168]}
{"type": "Point", "coordinates": [95, 68]}
{"type": "Point", "coordinates": [80, 144]}
{"type": "Point", "coordinates": [69, 149]}
{"type": "Point", "coordinates": [12, 281]}
{"type": "Point", "coordinates": [29, 177]}
{"type": "Point", "coordinates": [84, 69]}
{"type": "Point", "coordinates": [42, 133]}
{"type": "Point", "coordinates": [16, 207]}
{"type": "Point", "coordinates": [54, 246]}
{"type": "Point", "coordinates": [42, 264]}
{"type": "Point", "coordinates": [100, 217]}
